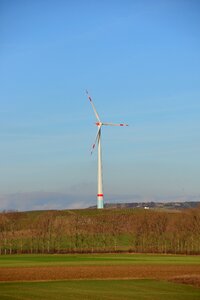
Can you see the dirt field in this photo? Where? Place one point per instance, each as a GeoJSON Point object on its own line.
{"type": "Point", "coordinates": [179, 273]}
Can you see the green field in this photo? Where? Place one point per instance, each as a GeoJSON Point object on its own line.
{"type": "Point", "coordinates": [139, 289]}
{"type": "Point", "coordinates": [27, 260]}
{"type": "Point", "coordinates": [98, 290]}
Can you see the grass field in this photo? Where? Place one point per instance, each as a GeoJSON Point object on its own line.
{"type": "Point", "coordinates": [27, 260]}
{"type": "Point", "coordinates": [137, 276]}
{"type": "Point", "coordinates": [98, 290]}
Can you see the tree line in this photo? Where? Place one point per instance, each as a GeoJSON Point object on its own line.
{"type": "Point", "coordinates": [89, 231]}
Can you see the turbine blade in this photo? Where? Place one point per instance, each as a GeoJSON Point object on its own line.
{"type": "Point", "coordinates": [96, 138]}
{"type": "Point", "coordinates": [113, 124]}
{"type": "Point", "coordinates": [95, 111]}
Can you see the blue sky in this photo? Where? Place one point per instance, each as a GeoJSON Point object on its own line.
{"type": "Point", "coordinates": [140, 62]}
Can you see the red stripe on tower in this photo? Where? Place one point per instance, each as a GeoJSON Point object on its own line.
{"type": "Point", "coordinates": [121, 124]}
{"type": "Point", "coordinates": [99, 195]}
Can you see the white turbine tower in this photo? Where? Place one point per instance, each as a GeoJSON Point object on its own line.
{"type": "Point", "coordinates": [99, 124]}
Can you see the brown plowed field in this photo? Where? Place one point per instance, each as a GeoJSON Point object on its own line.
{"type": "Point", "coordinates": [99, 272]}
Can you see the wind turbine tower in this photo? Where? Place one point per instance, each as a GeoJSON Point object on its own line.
{"type": "Point", "coordinates": [99, 124]}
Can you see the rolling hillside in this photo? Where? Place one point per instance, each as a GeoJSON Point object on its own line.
{"type": "Point", "coordinates": [109, 230]}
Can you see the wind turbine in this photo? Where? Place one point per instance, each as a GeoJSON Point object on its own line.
{"type": "Point", "coordinates": [99, 124]}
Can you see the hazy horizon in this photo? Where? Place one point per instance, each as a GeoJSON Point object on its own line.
{"type": "Point", "coordinates": [52, 200]}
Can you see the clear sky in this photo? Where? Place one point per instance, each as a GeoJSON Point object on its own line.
{"type": "Point", "coordinates": [140, 61]}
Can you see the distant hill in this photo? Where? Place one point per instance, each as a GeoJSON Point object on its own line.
{"type": "Point", "coordinates": [148, 227]}
{"type": "Point", "coordinates": [154, 205]}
